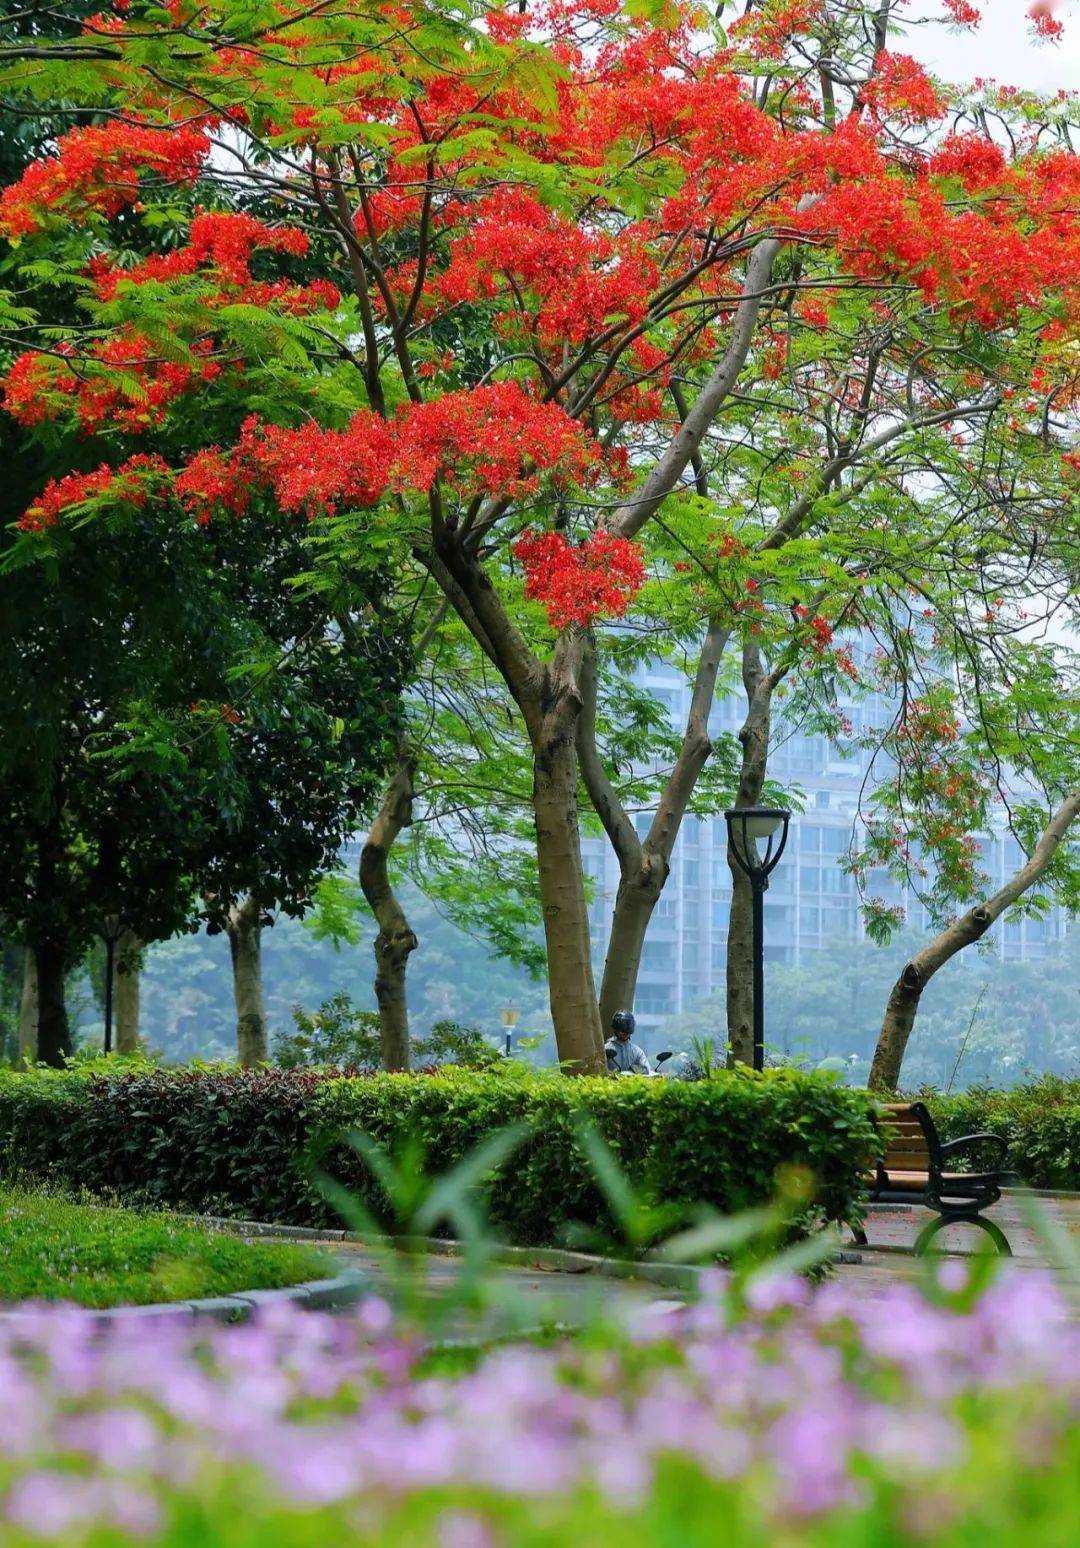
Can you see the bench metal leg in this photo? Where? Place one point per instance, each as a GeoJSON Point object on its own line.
{"type": "Point", "coordinates": [993, 1231]}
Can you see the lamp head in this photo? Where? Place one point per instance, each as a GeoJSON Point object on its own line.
{"type": "Point", "coordinates": [749, 825]}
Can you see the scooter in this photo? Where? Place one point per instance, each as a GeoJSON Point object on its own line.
{"type": "Point", "coordinates": [678, 1066]}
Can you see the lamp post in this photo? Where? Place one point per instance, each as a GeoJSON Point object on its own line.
{"type": "Point", "coordinates": [509, 1016]}
{"type": "Point", "coordinates": [112, 927]}
{"type": "Point", "coordinates": [746, 825]}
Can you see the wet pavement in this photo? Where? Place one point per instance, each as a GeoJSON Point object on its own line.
{"type": "Point", "coordinates": [1025, 1218]}
{"type": "Point", "coordinates": [520, 1298]}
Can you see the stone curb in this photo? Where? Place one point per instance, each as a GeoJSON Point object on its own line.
{"type": "Point", "coordinates": [317, 1294]}
{"type": "Point", "coordinates": [680, 1276]}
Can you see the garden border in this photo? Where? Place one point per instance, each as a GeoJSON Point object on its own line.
{"type": "Point", "coordinates": [680, 1276]}
{"type": "Point", "coordinates": [341, 1290]}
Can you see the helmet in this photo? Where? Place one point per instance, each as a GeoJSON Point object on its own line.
{"type": "Point", "coordinates": [622, 1023]}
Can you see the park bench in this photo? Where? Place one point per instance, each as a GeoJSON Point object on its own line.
{"type": "Point", "coordinates": [912, 1170]}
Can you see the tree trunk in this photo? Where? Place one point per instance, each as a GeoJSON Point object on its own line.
{"type": "Point", "coordinates": [245, 945]}
{"type": "Point", "coordinates": [903, 1003]}
{"type": "Point", "coordinates": [574, 1009]}
{"type": "Point", "coordinates": [739, 981]}
{"type": "Point", "coordinates": [54, 1034]}
{"type": "Point", "coordinates": [395, 941]}
{"type": "Point", "coordinates": [28, 1013]}
{"type": "Point", "coordinates": [644, 867]}
{"type": "Point", "coordinates": [639, 890]}
{"type": "Point", "coordinates": [126, 999]}
{"type": "Point", "coordinates": [550, 701]}
{"type": "Point", "coordinates": [754, 737]}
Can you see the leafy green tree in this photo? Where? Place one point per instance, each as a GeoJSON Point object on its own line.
{"type": "Point", "coordinates": [533, 459]}
{"type": "Point", "coordinates": [182, 730]}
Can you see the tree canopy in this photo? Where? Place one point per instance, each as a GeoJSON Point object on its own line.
{"type": "Point", "coordinates": [585, 313]}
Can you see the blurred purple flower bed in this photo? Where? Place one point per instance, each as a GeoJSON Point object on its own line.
{"type": "Point", "coordinates": [807, 1416]}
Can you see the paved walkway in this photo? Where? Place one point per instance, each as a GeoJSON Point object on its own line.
{"type": "Point", "coordinates": [515, 1299]}
{"type": "Point", "coordinates": [522, 1297]}
{"type": "Point", "coordinates": [892, 1229]}
{"type": "Point", "coordinates": [896, 1226]}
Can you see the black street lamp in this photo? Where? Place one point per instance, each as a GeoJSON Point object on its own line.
{"type": "Point", "coordinates": [112, 927]}
{"type": "Point", "coordinates": [746, 825]}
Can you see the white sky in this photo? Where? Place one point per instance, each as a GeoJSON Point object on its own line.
{"type": "Point", "coordinates": [1002, 48]}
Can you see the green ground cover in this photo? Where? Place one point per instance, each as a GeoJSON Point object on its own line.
{"type": "Point", "coordinates": [97, 1255]}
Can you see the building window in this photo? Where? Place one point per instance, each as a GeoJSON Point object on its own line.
{"type": "Point", "coordinates": [654, 1000]}
{"type": "Point", "coordinates": [658, 957]}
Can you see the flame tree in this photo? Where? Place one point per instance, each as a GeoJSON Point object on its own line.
{"type": "Point", "coordinates": [503, 234]}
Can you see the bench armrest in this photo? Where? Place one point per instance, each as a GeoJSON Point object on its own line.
{"type": "Point", "coordinates": [968, 1141]}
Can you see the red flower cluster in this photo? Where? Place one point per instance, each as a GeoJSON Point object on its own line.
{"type": "Point", "coordinates": [495, 439]}
{"type": "Point", "coordinates": [822, 631]}
{"type": "Point", "coordinates": [963, 13]}
{"type": "Point", "coordinates": [492, 440]}
{"type": "Point", "coordinates": [225, 244]}
{"type": "Point", "coordinates": [36, 382]}
{"type": "Point", "coordinates": [1046, 24]}
{"type": "Point", "coordinates": [900, 88]}
{"type": "Point", "coordinates": [128, 484]}
{"type": "Point", "coordinates": [576, 279]}
{"type": "Point", "coordinates": [596, 579]}
{"type": "Point", "coordinates": [973, 158]}
{"type": "Point", "coordinates": [98, 169]}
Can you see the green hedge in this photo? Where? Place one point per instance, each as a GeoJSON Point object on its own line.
{"type": "Point", "coordinates": [236, 1142]}
{"type": "Point", "coordinates": [1040, 1120]}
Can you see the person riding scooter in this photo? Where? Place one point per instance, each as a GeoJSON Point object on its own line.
{"type": "Point", "coordinates": [625, 1057]}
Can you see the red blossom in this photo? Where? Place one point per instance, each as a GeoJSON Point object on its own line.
{"type": "Point", "coordinates": [125, 384]}
{"type": "Point", "coordinates": [98, 168]}
{"type": "Point", "coordinates": [577, 584]}
{"type": "Point", "coordinates": [963, 13]}
{"type": "Point", "coordinates": [900, 88]}
{"type": "Point", "coordinates": [1045, 23]}
{"type": "Point", "coordinates": [126, 484]}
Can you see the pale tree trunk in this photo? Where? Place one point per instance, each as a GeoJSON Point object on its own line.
{"type": "Point", "coordinates": [126, 995]}
{"type": "Point", "coordinates": [28, 1013]}
{"type": "Point", "coordinates": [903, 1002]}
{"type": "Point", "coordinates": [562, 897]}
{"type": "Point", "coordinates": [549, 697]}
{"type": "Point", "coordinates": [754, 737]}
{"type": "Point", "coordinates": [245, 945]}
{"type": "Point", "coordinates": [395, 941]}
{"type": "Point", "coordinates": [644, 865]}
{"type": "Point", "coordinates": [54, 1034]}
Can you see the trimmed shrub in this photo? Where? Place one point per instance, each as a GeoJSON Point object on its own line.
{"type": "Point", "coordinates": [1040, 1121]}
{"type": "Point", "coordinates": [241, 1143]}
